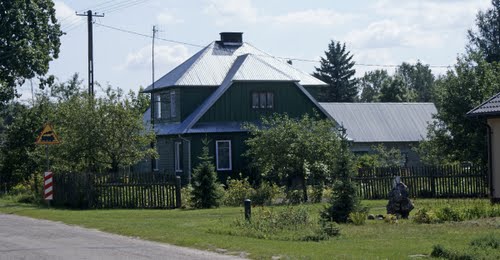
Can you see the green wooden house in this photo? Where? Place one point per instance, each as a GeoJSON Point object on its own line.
{"type": "Point", "coordinates": [212, 94]}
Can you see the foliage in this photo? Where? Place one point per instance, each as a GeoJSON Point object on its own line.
{"type": "Point", "coordinates": [237, 191]}
{"type": "Point", "coordinates": [425, 216]}
{"type": "Point", "coordinates": [484, 39]}
{"type": "Point", "coordinates": [207, 192]}
{"type": "Point", "coordinates": [92, 133]}
{"type": "Point", "coordinates": [396, 91]}
{"type": "Point", "coordinates": [289, 223]}
{"type": "Point", "coordinates": [344, 199]}
{"type": "Point", "coordinates": [265, 193]}
{"type": "Point", "coordinates": [18, 156]}
{"type": "Point", "coordinates": [337, 70]}
{"type": "Point", "coordinates": [455, 137]}
{"type": "Point", "coordinates": [292, 151]}
{"type": "Point", "coordinates": [383, 157]}
{"type": "Point", "coordinates": [36, 42]}
{"type": "Point", "coordinates": [186, 196]}
{"type": "Point", "coordinates": [94, 130]}
{"type": "Point", "coordinates": [391, 219]}
{"type": "Point", "coordinates": [63, 91]}
{"type": "Point", "coordinates": [418, 79]}
{"type": "Point", "coordinates": [371, 84]}
{"type": "Point", "coordinates": [358, 218]}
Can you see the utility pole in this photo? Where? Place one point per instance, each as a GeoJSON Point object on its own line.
{"type": "Point", "coordinates": [154, 165]}
{"type": "Point", "coordinates": [90, 15]}
{"type": "Point", "coordinates": [153, 104]}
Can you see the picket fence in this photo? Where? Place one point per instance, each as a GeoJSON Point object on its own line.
{"type": "Point", "coordinates": [425, 182]}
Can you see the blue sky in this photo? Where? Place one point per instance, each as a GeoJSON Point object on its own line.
{"type": "Point", "coordinates": [380, 32]}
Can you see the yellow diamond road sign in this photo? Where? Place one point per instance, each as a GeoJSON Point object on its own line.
{"type": "Point", "coordinates": [47, 136]}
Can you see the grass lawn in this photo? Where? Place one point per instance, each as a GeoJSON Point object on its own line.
{"type": "Point", "coordinates": [375, 240]}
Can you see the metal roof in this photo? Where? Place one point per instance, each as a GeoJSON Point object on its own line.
{"type": "Point", "coordinates": [210, 66]}
{"type": "Point", "coordinates": [383, 122]}
{"type": "Point", "coordinates": [235, 73]}
{"type": "Point", "coordinates": [490, 107]}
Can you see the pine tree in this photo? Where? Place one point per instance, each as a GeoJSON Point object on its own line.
{"type": "Point", "coordinates": [206, 191]}
{"type": "Point", "coordinates": [344, 199]}
{"type": "Point", "coordinates": [337, 71]}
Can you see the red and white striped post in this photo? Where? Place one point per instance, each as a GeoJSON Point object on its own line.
{"type": "Point", "coordinates": [48, 187]}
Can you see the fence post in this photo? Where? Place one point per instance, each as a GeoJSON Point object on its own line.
{"type": "Point", "coordinates": [248, 209]}
{"type": "Point", "coordinates": [178, 201]}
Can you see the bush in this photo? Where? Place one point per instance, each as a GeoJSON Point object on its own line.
{"type": "Point", "coordinates": [449, 214]}
{"type": "Point", "coordinates": [287, 223]}
{"type": "Point", "coordinates": [237, 191]}
{"type": "Point", "coordinates": [293, 196]}
{"type": "Point", "coordinates": [358, 218]}
{"type": "Point", "coordinates": [206, 193]}
{"type": "Point", "coordinates": [344, 201]}
{"type": "Point", "coordinates": [186, 196]}
{"type": "Point", "coordinates": [424, 216]}
{"type": "Point", "coordinates": [265, 194]}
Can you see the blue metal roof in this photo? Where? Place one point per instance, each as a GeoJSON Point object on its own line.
{"type": "Point", "coordinates": [383, 122]}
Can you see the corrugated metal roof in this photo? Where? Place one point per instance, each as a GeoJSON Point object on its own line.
{"type": "Point", "coordinates": [236, 72]}
{"type": "Point", "coordinates": [490, 107]}
{"type": "Point", "coordinates": [210, 66]}
{"type": "Point", "coordinates": [383, 122]}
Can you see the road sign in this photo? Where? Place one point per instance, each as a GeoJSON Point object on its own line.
{"type": "Point", "coordinates": [47, 136]}
{"type": "Point", "coordinates": [47, 184]}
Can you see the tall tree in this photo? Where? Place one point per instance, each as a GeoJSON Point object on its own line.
{"type": "Point", "coordinates": [418, 78]}
{"type": "Point", "coordinates": [472, 81]}
{"type": "Point", "coordinates": [29, 40]}
{"type": "Point", "coordinates": [336, 69]}
{"type": "Point", "coordinates": [371, 84]}
{"type": "Point", "coordinates": [486, 39]}
{"type": "Point", "coordinates": [396, 91]}
{"type": "Point", "coordinates": [293, 151]}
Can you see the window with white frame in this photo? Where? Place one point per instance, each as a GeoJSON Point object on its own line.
{"type": "Point", "coordinates": [178, 156]}
{"type": "Point", "coordinates": [223, 155]}
{"type": "Point", "coordinates": [262, 100]}
{"type": "Point", "coordinates": [158, 106]}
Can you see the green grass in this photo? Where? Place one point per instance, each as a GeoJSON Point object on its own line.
{"type": "Point", "coordinates": [375, 240]}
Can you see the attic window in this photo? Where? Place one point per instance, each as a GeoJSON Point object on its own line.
{"type": "Point", "coordinates": [262, 100]}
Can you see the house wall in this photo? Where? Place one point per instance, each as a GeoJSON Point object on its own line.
{"type": "Point", "coordinates": [236, 103]}
{"type": "Point", "coordinates": [192, 97]}
{"type": "Point", "coordinates": [405, 147]}
{"type": "Point", "coordinates": [494, 123]}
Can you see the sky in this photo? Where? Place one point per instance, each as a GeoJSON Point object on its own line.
{"type": "Point", "coordinates": [379, 33]}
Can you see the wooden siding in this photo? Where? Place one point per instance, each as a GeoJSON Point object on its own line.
{"type": "Point", "coordinates": [236, 103]}
{"type": "Point", "coordinates": [238, 147]}
{"type": "Point", "coordinates": [192, 97]}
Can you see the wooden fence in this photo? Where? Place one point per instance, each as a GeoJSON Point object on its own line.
{"type": "Point", "coordinates": [425, 182]}
{"type": "Point", "coordinates": [117, 190]}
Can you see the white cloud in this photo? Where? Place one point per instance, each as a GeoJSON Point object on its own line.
{"type": "Point", "coordinates": [166, 57]}
{"type": "Point", "coordinates": [387, 33]}
{"type": "Point", "coordinates": [432, 14]}
{"type": "Point", "coordinates": [313, 17]}
{"type": "Point", "coordinates": [366, 57]}
{"type": "Point", "coordinates": [66, 15]}
{"type": "Point", "coordinates": [228, 11]}
{"type": "Point", "coordinates": [166, 17]}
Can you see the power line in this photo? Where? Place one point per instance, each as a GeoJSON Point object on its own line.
{"type": "Point", "coordinates": [283, 58]}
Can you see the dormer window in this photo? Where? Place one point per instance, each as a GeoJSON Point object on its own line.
{"type": "Point", "coordinates": [263, 100]}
